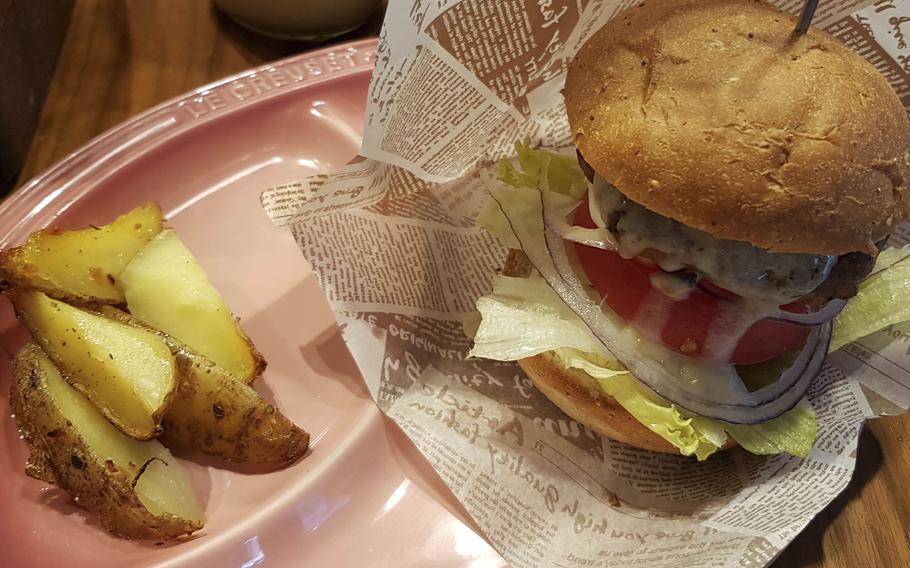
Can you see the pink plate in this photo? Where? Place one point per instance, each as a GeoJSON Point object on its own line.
{"type": "Point", "coordinates": [364, 496]}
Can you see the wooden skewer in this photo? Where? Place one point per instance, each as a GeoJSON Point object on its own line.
{"type": "Point", "coordinates": [805, 19]}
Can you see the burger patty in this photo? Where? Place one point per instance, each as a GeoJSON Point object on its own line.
{"type": "Point", "coordinates": [850, 270]}
{"type": "Point", "coordinates": [733, 265]}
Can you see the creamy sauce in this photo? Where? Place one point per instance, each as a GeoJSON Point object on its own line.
{"type": "Point", "coordinates": [653, 313]}
{"type": "Point", "coordinates": [708, 378]}
{"type": "Point", "coordinates": [736, 266]}
{"type": "Point", "coordinates": [673, 285]}
{"type": "Point", "coordinates": [730, 324]}
{"type": "Point", "coordinates": [704, 378]}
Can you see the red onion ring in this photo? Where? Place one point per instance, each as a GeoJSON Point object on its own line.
{"type": "Point", "coordinates": [827, 313]}
{"type": "Point", "coordinates": [597, 238]}
{"type": "Point", "coordinates": [550, 259]}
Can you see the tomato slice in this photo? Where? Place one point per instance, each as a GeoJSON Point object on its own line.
{"type": "Point", "coordinates": [684, 325]}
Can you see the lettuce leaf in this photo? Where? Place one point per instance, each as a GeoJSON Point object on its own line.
{"type": "Point", "coordinates": [700, 437]}
{"type": "Point", "coordinates": [493, 220]}
{"type": "Point", "coordinates": [524, 317]}
{"type": "Point", "coordinates": [544, 171]}
{"type": "Point", "coordinates": [538, 170]}
{"type": "Point", "coordinates": [883, 299]}
{"type": "Point", "coordinates": [793, 432]}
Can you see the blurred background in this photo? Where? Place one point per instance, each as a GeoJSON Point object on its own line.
{"type": "Point", "coordinates": [71, 69]}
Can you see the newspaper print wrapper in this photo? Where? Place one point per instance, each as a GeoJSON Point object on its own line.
{"type": "Point", "coordinates": [392, 242]}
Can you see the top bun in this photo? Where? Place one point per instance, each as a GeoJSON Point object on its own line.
{"type": "Point", "coordinates": [714, 113]}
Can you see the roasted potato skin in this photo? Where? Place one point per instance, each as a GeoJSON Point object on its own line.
{"type": "Point", "coordinates": [83, 265]}
{"type": "Point", "coordinates": [59, 455]}
{"type": "Point", "coordinates": [224, 417]}
{"type": "Point", "coordinates": [218, 414]}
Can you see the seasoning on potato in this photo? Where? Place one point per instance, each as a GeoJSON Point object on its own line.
{"type": "Point", "coordinates": [128, 373]}
{"type": "Point", "coordinates": [217, 414]}
{"type": "Point", "coordinates": [99, 387]}
{"type": "Point", "coordinates": [135, 488]}
{"type": "Point", "coordinates": [82, 265]}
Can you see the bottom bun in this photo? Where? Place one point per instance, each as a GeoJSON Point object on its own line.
{"type": "Point", "coordinates": [566, 388]}
{"type": "Point", "coordinates": [577, 394]}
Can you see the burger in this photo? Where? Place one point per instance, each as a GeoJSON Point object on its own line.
{"type": "Point", "coordinates": [677, 284]}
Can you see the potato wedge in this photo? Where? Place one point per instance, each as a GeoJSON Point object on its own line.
{"type": "Point", "coordinates": [166, 288]}
{"type": "Point", "coordinates": [136, 489]}
{"type": "Point", "coordinates": [129, 373]}
{"type": "Point", "coordinates": [82, 265]}
{"type": "Point", "coordinates": [220, 415]}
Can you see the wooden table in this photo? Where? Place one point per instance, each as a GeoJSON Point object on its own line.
{"type": "Point", "coordinates": [121, 58]}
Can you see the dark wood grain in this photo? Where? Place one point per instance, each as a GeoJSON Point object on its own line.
{"type": "Point", "coordinates": [120, 58]}
{"type": "Point", "coordinates": [31, 37]}
{"type": "Point", "coordinates": [867, 525]}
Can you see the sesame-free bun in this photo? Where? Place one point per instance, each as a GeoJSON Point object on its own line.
{"type": "Point", "coordinates": [576, 393]}
{"type": "Point", "coordinates": [714, 113]}
{"type": "Point", "coordinates": [571, 391]}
